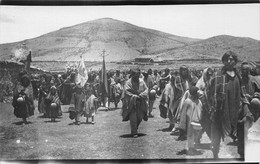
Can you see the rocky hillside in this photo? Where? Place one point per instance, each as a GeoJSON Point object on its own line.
{"type": "Point", "coordinates": [121, 40]}
{"type": "Point", "coordinates": [215, 47]}
{"type": "Point", "coordinates": [124, 41]}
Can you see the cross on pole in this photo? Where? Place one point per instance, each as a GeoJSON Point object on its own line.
{"type": "Point", "coordinates": [103, 54]}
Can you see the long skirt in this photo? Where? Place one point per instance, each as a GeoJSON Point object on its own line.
{"type": "Point", "coordinates": [23, 109]}
{"type": "Point", "coordinates": [135, 118]}
{"type": "Point", "coordinates": [53, 112]}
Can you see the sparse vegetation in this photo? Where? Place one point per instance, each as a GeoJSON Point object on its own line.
{"type": "Point", "coordinates": [124, 41]}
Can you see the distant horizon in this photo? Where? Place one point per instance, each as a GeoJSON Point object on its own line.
{"type": "Point", "coordinates": [19, 23]}
{"type": "Point", "coordinates": [129, 23]}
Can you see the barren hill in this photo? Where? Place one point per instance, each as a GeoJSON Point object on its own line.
{"type": "Point", "coordinates": [124, 41]}
{"type": "Point", "coordinates": [121, 40]}
{"type": "Point", "coordinates": [215, 47]}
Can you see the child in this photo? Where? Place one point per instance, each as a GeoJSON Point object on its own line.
{"type": "Point", "coordinates": [193, 107]}
{"type": "Point", "coordinates": [118, 89]}
{"type": "Point", "coordinates": [77, 104]}
{"type": "Point", "coordinates": [90, 108]}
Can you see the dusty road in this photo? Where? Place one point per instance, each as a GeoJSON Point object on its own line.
{"type": "Point", "coordinates": [109, 139]}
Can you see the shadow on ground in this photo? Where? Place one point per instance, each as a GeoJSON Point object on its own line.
{"type": "Point", "coordinates": [88, 123]}
{"type": "Point", "coordinates": [185, 152]}
{"type": "Point", "coordinates": [131, 135]}
{"type": "Point", "coordinates": [165, 129]}
{"type": "Point", "coordinates": [205, 146]}
{"type": "Point", "coordinates": [49, 121]}
{"type": "Point", "coordinates": [21, 123]}
{"type": "Point", "coordinates": [107, 109]}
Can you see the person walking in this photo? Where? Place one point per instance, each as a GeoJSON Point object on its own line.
{"type": "Point", "coordinates": [225, 99]}
{"type": "Point", "coordinates": [192, 107]}
{"type": "Point", "coordinates": [182, 83]}
{"type": "Point", "coordinates": [23, 97]}
{"type": "Point", "coordinates": [135, 101]}
{"type": "Point", "coordinates": [77, 104]}
{"type": "Point", "coordinates": [53, 104]}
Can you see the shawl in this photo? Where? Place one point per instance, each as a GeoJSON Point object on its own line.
{"type": "Point", "coordinates": [202, 82]}
{"type": "Point", "coordinates": [89, 108]}
{"type": "Point", "coordinates": [118, 90]}
{"type": "Point", "coordinates": [166, 99]}
{"type": "Point", "coordinates": [181, 103]}
{"type": "Point", "coordinates": [77, 102]}
{"type": "Point", "coordinates": [180, 92]}
{"type": "Point", "coordinates": [217, 97]}
{"type": "Point", "coordinates": [252, 86]}
{"type": "Point", "coordinates": [54, 98]}
{"type": "Point", "coordinates": [191, 112]}
{"type": "Point", "coordinates": [28, 108]}
{"type": "Point", "coordinates": [66, 90]}
{"type": "Point", "coordinates": [133, 89]}
{"type": "Point", "coordinates": [184, 85]}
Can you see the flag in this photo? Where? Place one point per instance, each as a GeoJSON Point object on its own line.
{"type": "Point", "coordinates": [82, 76]}
{"type": "Point", "coordinates": [28, 62]}
{"type": "Point", "coordinates": [103, 78]}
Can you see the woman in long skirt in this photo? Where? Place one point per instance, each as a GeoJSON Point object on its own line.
{"type": "Point", "coordinates": [53, 104]}
{"type": "Point", "coordinates": [23, 98]}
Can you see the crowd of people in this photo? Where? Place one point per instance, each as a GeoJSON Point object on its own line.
{"type": "Point", "coordinates": [220, 102]}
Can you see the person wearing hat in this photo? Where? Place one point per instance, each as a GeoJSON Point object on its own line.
{"type": "Point", "coordinates": [77, 104]}
{"type": "Point", "coordinates": [23, 98]}
{"type": "Point", "coordinates": [44, 90]}
{"type": "Point", "coordinates": [225, 97]}
{"type": "Point", "coordinates": [251, 86]}
{"type": "Point", "coordinates": [192, 108]}
{"type": "Point", "coordinates": [53, 104]}
{"type": "Point", "coordinates": [135, 101]}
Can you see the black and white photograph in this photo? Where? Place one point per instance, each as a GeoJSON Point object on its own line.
{"type": "Point", "coordinates": [137, 83]}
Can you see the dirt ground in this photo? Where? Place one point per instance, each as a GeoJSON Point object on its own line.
{"type": "Point", "coordinates": [108, 139]}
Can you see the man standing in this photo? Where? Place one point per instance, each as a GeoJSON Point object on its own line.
{"type": "Point", "coordinates": [135, 101]}
{"type": "Point", "coordinates": [225, 100]}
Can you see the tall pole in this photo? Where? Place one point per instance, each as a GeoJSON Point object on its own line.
{"type": "Point", "coordinates": [103, 54]}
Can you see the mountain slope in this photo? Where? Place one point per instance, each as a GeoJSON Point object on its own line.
{"type": "Point", "coordinates": [215, 47]}
{"type": "Point", "coordinates": [122, 41]}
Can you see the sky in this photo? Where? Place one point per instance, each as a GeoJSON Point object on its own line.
{"type": "Point", "coordinates": [18, 23]}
